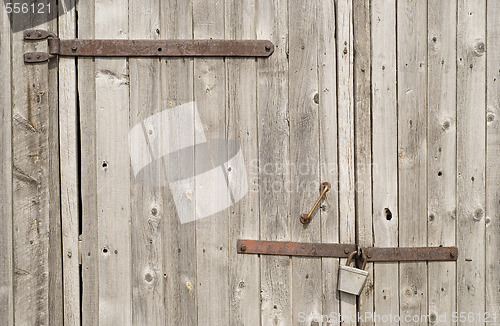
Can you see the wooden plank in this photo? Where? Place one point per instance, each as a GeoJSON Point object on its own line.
{"type": "Point", "coordinates": [113, 170]}
{"type": "Point", "coordinates": [345, 101]}
{"type": "Point", "coordinates": [363, 143]}
{"type": "Point", "coordinates": [148, 295]}
{"type": "Point", "coordinates": [241, 120]}
{"type": "Point", "coordinates": [70, 194]}
{"type": "Point", "coordinates": [471, 149]}
{"type": "Point", "coordinates": [441, 148]}
{"type": "Point", "coordinates": [384, 152]}
{"type": "Point", "coordinates": [304, 155]}
{"type": "Point", "coordinates": [273, 161]}
{"type": "Point", "coordinates": [6, 249]}
{"type": "Point", "coordinates": [412, 145]}
{"type": "Point", "coordinates": [211, 232]}
{"type": "Point", "coordinates": [328, 152]}
{"type": "Point", "coordinates": [493, 162]}
{"type": "Point", "coordinates": [36, 236]}
{"type": "Point", "coordinates": [89, 167]}
{"type": "Point", "coordinates": [179, 239]}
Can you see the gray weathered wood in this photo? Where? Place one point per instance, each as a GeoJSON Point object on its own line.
{"type": "Point", "coordinates": [384, 152]}
{"type": "Point", "coordinates": [412, 146]}
{"type": "Point", "coordinates": [70, 201]}
{"type": "Point", "coordinates": [179, 239]}
{"type": "Point", "coordinates": [328, 152]}
{"type": "Point", "coordinates": [241, 121]}
{"type": "Point", "coordinates": [6, 249]}
{"type": "Point", "coordinates": [212, 231]}
{"type": "Point", "coordinates": [35, 200]}
{"type": "Point", "coordinates": [471, 133]}
{"type": "Point", "coordinates": [345, 101]}
{"type": "Point", "coordinates": [441, 147]}
{"type": "Point", "coordinates": [363, 142]}
{"type": "Point", "coordinates": [113, 171]}
{"type": "Point", "coordinates": [273, 162]}
{"type": "Point", "coordinates": [493, 161]}
{"type": "Point", "coordinates": [89, 165]}
{"type": "Point", "coordinates": [304, 153]}
{"type": "Point", "coordinates": [148, 295]}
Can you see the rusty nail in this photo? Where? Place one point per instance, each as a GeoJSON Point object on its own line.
{"type": "Point", "coordinates": [38, 56]}
{"type": "Point", "coordinates": [268, 48]}
{"type": "Point", "coordinates": [452, 254]}
{"type": "Point", "coordinates": [243, 247]}
{"type": "Point", "coordinates": [369, 255]}
{"type": "Point", "coordinates": [74, 48]}
{"type": "Point", "coordinates": [346, 250]}
{"type": "Point", "coordinates": [39, 34]}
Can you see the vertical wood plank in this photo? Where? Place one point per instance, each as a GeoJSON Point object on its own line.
{"type": "Point", "coordinates": [241, 120]}
{"type": "Point", "coordinates": [345, 74]}
{"type": "Point", "coordinates": [36, 237]}
{"type": "Point", "coordinates": [6, 249]}
{"type": "Point", "coordinates": [471, 147]}
{"type": "Point", "coordinates": [273, 161]}
{"type": "Point", "coordinates": [146, 200]}
{"type": "Point", "coordinates": [441, 160]}
{"type": "Point", "coordinates": [179, 239]}
{"type": "Point", "coordinates": [493, 162]}
{"type": "Point", "coordinates": [385, 165]}
{"type": "Point", "coordinates": [211, 232]}
{"type": "Point", "coordinates": [412, 145]}
{"type": "Point", "coordinates": [113, 170]}
{"type": "Point", "coordinates": [70, 194]}
{"type": "Point", "coordinates": [304, 154]}
{"type": "Point", "coordinates": [363, 144]}
{"type": "Point", "coordinates": [328, 152]}
{"type": "Point", "coordinates": [89, 168]}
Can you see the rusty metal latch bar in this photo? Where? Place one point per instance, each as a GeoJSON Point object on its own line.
{"type": "Point", "coordinates": [343, 250]}
{"type": "Point", "coordinates": [145, 48]}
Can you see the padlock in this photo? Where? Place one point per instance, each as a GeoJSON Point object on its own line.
{"type": "Point", "coordinates": [351, 279]}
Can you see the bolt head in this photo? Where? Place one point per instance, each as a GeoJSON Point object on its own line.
{"type": "Point", "coordinates": [243, 247]}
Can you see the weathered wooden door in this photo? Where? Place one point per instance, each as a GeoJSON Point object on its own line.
{"type": "Point", "coordinates": [394, 102]}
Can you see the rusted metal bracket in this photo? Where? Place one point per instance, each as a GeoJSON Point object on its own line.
{"type": "Point", "coordinates": [145, 48]}
{"type": "Point", "coordinates": [295, 248]}
{"type": "Point", "coordinates": [342, 251]}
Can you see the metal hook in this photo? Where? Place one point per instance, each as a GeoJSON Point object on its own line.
{"type": "Point", "coordinates": [305, 218]}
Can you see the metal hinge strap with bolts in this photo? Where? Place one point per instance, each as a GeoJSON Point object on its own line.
{"type": "Point", "coordinates": [145, 48]}
{"type": "Point", "coordinates": [372, 254]}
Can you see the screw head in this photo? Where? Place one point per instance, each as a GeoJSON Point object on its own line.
{"type": "Point", "coordinates": [73, 48]}
{"type": "Point", "coordinates": [452, 255]}
{"type": "Point", "coordinates": [268, 48]}
{"type": "Point", "coordinates": [346, 251]}
{"type": "Point", "coordinates": [243, 247]}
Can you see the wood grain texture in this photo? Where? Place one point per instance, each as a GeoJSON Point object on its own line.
{"type": "Point", "coordinates": [179, 239]}
{"type": "Point", "coordinates": [345, 102]}
{"type": "Point", "coordinates": [493, 160]}
{"type": "Point", "coordinates": [89, 165]}
{"type": "Point", "coordinates": [69, 155]}
{"type": "Point", "coordinates": [441, 148]}
{"type": "Point", "coordinates": [304, 154]}
{"type": "Point", "coordinates": [328, 151]}
{"type": "Point", "coordinates": [412, 146]}
{"type": "Point", "coordinates": [384, 152]}
{"type": "Point", "coordinates": [241, 121]}
{"type": "Point", "coordinates": [212, 231]}
{"type": "Point", "coordinates": [273, 165]}
{"type": "Point", "coordinates": [6, 249]}
{"type": "Point", "coordinates": [363, 143]}
{"type": "Point", "coordinates": [36, 235]}
{"type": "Point", "coordinates": [471, 146]}
{"type": "Point", "coordinates": [113, 170]}
{"type": "Point", "coordinates": [146, 200]}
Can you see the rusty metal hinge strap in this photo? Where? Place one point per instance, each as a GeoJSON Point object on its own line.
{"type": "Point", "coordinates": [336, 250]}
{"type": "Point", "coordinates": [146, 48]}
